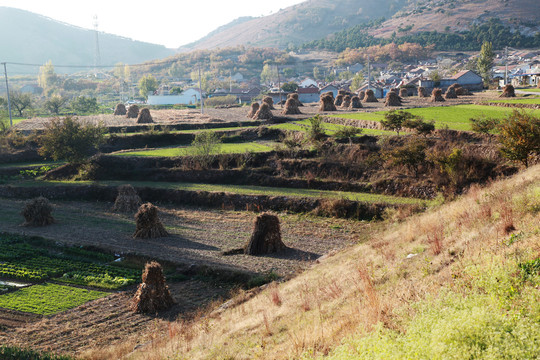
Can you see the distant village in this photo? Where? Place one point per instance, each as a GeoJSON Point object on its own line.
{"type": "Point", "coordinates": [522, 68]}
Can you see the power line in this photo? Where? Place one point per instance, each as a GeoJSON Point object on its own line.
{"type": "Point", "coordinates": [93, 66]}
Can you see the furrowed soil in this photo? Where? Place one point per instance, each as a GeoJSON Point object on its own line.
{"type": "Point", "coordinates": [104, 322]}
{"type": "Point", "coordinates": [198, 237]}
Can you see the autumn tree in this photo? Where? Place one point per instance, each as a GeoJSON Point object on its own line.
{"type": "Point", "coordinates": [519, 136]}
{"type": "Point", "coordinates": [55, 104]}
{"type": "Point", "coordinates": [147, 84]}
{"type": "Point", "coordinates": [47, 78]}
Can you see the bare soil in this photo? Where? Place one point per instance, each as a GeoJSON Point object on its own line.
{"type": "Point", "coordinates": [104, 322]}
{"type": "Point", "coordinates": [194, 116]}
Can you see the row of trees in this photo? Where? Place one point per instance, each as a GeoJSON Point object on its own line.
{"type": "Point", "coordinates": [23, 102]}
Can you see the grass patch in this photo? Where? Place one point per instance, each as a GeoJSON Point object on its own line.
{"type": "Point", "coordinates": [189, 150]}
{"type": "Point", "coordinates": [48, 299]}
{"type": "Point", "coordinates": [533, 101]}
{"type": "Point", "coordinates": [32, 164]}
{"type": "Point", "coordinates": [329, 129]}
{"type": "Point", "coordinates": [253, 190]}
{"type": "Point", "coordinates": [455, 117]}
{"type": "Point", "coordinates": [17, 353]}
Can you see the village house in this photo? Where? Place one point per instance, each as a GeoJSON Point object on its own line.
{"type": "Point", "coordinates": [307, 82]}
{"type": "Point", "coordinates": [468, 79]}
{"type": "Point", "coordinates": [242, 95]}
{"type": "Point", "coordinates": [308, 94]}
{"type": "Point", "coordinates": [334, 89]}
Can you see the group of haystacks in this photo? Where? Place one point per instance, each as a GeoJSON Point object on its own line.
{"type": "Point", "coordinates": [451, 93]}
{"type": "Point", "coordinates": [153, 294]}
{"type": "Point", "coordinates": [263, 111]}
{"type": "Point", "coordinates": [143, 115]}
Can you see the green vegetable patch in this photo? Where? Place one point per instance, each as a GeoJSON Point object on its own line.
{"type": "Point", "coordinates": [48, 299]}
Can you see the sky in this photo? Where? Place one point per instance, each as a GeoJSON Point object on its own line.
{"type": "Point", "coordinates": [170, 23]}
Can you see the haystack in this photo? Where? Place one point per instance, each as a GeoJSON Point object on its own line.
{"type": "Point", "coordinates": [327, 103]}
{"type": "Point", "coordinates": [37, 212]}
{"type": "Point", "coordinates": [339, 100]}
{"type": "Point", "coordinates": [132, 112]}
{"type": "Point", "coordinates": [361, 94]}
{"type": "Point", "coordinates": [120, 109]}
{"type": "Point", "coordinates": [422, 92]}
{"type": "Point", "coordinates": [264, 112]}
{"type": "Point", "coordinates": [295, 97]}
{"type": "Point", "coordinates": [436, 95]}
{"type": "Point", "coordinates": [144, 117]}
{"type": "Point", "coordinates": [460, 91]}
{"type": "Point", "coordinates": [342, 92]}
{"type": "Point", "coordinates": [291, 107]}
{"type": "Point", "coordinates": [450, 93]}
{"type": "Point", "coordinates": [508, 91]}
{"type": "Point", "coordinates": [355, 103]}
{"type": "Point", "coordinates": [346, 102]}
{"type": "Point", "coordinates": [370, 96]}
{"type": "Point", "coordinates": [269, 101]}
{"type": "Point", "coordinates": [127, 200]}
{"type": "Point", "coordinates": [148, 224]}
{"type": "Point", "coordinates": [329, 93]}
{"type": "Point", "coordinates": [403, 92]}
{"type": "Point", "coordinates": [266, 236]}
{"type": "Point", "coordinates": [254, 108]}
{"type": "Point", "coordinates": [392, 99]}
{"type": "Point", "coordinates": [153, 294]}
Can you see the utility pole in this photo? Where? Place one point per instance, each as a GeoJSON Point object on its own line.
{"type": "Point", "coordinates": [368, 74]}
{"type": "Point", "coordinates": [97, 55]}
{"type": "Point", "coordinates": [200, 89]}
{"type": "Point", "coordinates": [230, 81]}
{"type": "Point", "coordinates": [8, 98]}
{"type": "Point", "coordinates": [506, 65]}
{"type": "Point", "coordinates": [279, 86]}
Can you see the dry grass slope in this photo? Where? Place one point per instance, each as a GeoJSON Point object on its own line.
{"type": "Point", "coordinates": [462, 248]}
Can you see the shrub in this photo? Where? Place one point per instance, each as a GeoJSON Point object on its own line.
{"type": "Point", "coordinates": [421, 127]}
{"type": "Point", "coordinates": [519, 136]}
{"type": "Point", "coordinates": [484, 125]}
{"type": "Point", "coordinates": [316, 132]}
{"type": "Point", "coordinates": [68, 139]}
{"type": "Point", "coordinates": [221, 100]}
{"type": "Point", "coordinates": [205, 145]}
{"type": "Point", "coordinates": [347, 132]}
{"type": "Point", "coordinates": [412, 155]}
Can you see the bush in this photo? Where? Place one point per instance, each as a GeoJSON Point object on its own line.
{"type": "Point", "coordinates": [519, 136]}
{"type": "Point", "coordinates": [221, 100]}
{"type": "Point", "coordinates": [484, 125]}
{"type": "Point", "coordinates": [206, 145]}
{"type": "Point", "coordinates": [347, 132]}
{"type": "Point", "coordinates": [83, 104]}
{"type": "Point", "coordinates": [412, 155]}
{"type": "Point", "coordinates": [67, 139]}
{"type": "Point", "coordinates": [421, 127]}
{"type": "Point", "coordinates": [316, 131]}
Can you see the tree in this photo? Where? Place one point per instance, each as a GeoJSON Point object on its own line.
{"type": "Point", "coordinates": [83, 104]}
{"type": "Point", "coordinates": [393, 120]}
{"type": "Point", "coordinates": [47, 78]}
{"type": "Point", "coordinates": [316, 131]}
{"type": "Point", "coordinates": [68, 139]}
{"type": "Point", "coordinates": [519, 136]}
{"type": "Point", "coordinates": [484, 64]}
{"type": "Point", "coordinates": [357, 81]}
{"type": "Point", "coordinates": [288, 72]}
{"type": "Point", "coordinates": [20, 101]}
{"type": "Point", "coordinates": [290, 86]}
{"type": "Point", "coordinates": [268, 74]}
{"type": "Point", "coordinates": [177, 70]}
{"type": "Point", "coordinates": [55, 104]}
{"type": "Point", "coordinates": [317, 73]}
{"type": "Point", "coordinates": [147, 84]}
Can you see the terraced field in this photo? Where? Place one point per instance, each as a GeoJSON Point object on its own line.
{"type": "Point", "coordinates": [455, 117]}
{"type": "Point", "coordinates": [190, 150]}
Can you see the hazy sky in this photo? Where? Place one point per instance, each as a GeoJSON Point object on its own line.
{"type": "Point", "coordinates": [170, 23]}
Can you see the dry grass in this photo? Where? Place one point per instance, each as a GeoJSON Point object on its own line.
{"type": "Point", "coordinates": [349, 292]}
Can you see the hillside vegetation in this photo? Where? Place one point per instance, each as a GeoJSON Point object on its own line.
{"type": "Point", "coordinates": [459, 281]}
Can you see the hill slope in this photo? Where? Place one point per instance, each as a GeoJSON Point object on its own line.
{"type": "Point", "coordinates": [38, 39]}
{"type": "Point", "coordinates": [297, 24]}
{"type": "Point", "coordinates": [459, 281]}
{"type": "Point", "coordinates": [318, 19]}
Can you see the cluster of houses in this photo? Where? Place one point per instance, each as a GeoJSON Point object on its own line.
{"type": "Point", "coordinates": [520, 68]}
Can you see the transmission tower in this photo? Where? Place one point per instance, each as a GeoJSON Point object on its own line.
{"type": "Point", "coordinates": [97, 56]}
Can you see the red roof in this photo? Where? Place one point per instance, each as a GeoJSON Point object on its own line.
{"type": "Point", "coordinates": [308, 90]}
